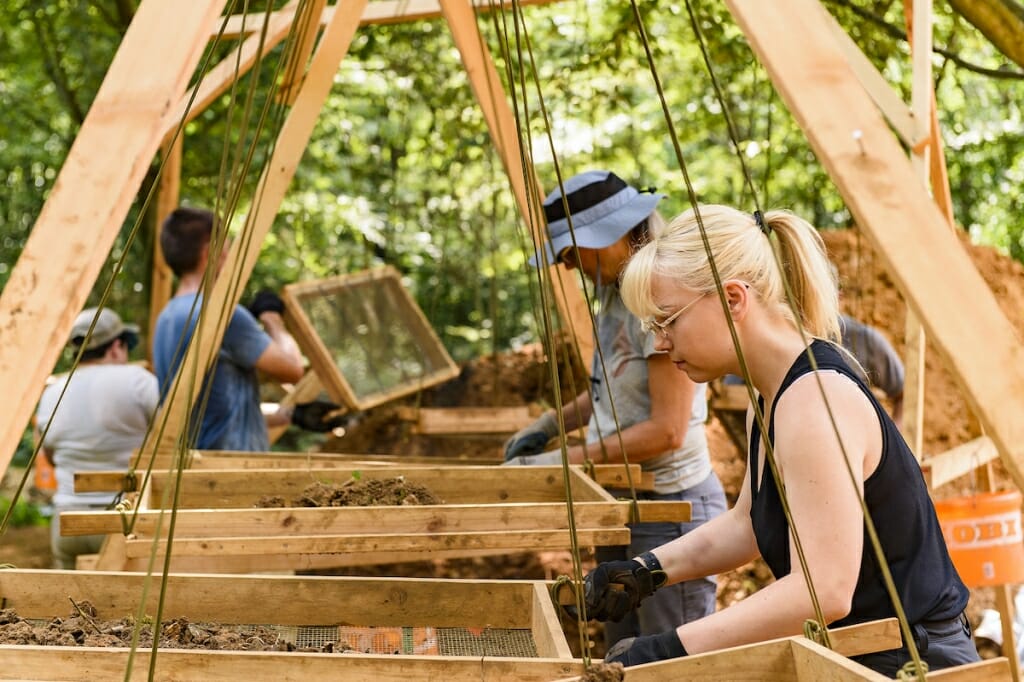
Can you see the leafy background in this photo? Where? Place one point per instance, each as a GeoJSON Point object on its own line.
{"type": "Point", "coordinates": [400, 169]}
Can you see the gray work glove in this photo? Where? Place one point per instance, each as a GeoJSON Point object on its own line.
{"type": "Point", "coordinates": [532, 439]}
{"type": "Point", "coordinates": [544, 458]}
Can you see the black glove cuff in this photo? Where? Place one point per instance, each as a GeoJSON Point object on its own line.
{"type": "Point", "coordinates": [658, 575]}
{"type": "Point", "coordinates": [669, 644]}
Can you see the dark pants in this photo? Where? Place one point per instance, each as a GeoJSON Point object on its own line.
{"type": "Point", "coordinates": [669, 607]}
{"type": "Point", "coordinates": [941, 644]}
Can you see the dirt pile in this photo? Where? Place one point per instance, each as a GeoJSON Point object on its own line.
{"type": "Point", "coordinates": [373, 492]}
{"type": "Point", "coordinates": [83, 628]}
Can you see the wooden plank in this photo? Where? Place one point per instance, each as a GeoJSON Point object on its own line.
{"type": "Point", "coordinates": [814, 662]}
{"type": "Point", "coordinates": [458, 420]}
{"type": "Point", "coordinates": [888, 101]}
{"type": "Point", "coordinates": [367, 543]}
{"type": "Point", "coordinates": [299, 562]}
{"type": "Point", "coordinates": [345, 520]}
{"type": "Point", "coordinates": [958, 461]}
{"type": "Point", "coordinates": [291, 600]}
{"type": "Point", "coordinates": [607, 475]}
{"type": "Point", "coordinates": [501, 123]}
{"type": "Point", "coordinates": [70, 242]}
{"type": "Point", "coordinates": [866, 638]}
{"type": "Point", "coordinates": [546, 627]}
{"type": "Point", "coordinates": [918, 17]}
{"type": "Point", "coordinates": [273, 183]}
{"type": "Point", "coordinates": [88, 664]}
{"type": "Point", "coordinates": [454, 485]}
{"type": "Point", "coordinates": [729, 397]}
{"type": "Point", "coordinates": [379, 12]}
{"type": "Point", "coordinates": [992, 670]}
{"type": "Point", "coordinates": [765, 662]}
{"type": "Point", "coordinates": [895, 211]}
{"type": "Point", "coordinates": [168, 193]}
{"type": "Point", "coordinates": [307, 389]}
{"type": "Point", "coordinates": [306, 28]}
{"type": "Point", "coordinates": [220, 77]}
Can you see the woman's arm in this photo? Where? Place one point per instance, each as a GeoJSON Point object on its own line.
{"type": "Point", "coordinates": [826, 514]}
{"type": "Point", "coordinates": [671, 393]}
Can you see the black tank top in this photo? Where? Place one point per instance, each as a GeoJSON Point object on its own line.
{"type": "Point", "coordinates": [898, 501]}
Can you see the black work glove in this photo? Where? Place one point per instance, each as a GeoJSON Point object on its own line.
{"type": "Point", "coordinates": [646, 649]}
{"type": "Point", "coordinates": [266, 301]}
{"type": "Point", "coordinates": [317, 416]}
{"type": "Point", "coordinates": [603, 596]}
{"type": "Point", "coordinates": [532, 439]}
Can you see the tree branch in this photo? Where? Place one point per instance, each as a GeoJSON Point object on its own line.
{"type": "Point", "coordinates": [900, 34]}
{"type": "Point", "coordinates": [50, 50]}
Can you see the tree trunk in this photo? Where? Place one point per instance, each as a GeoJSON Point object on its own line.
{"type": "Point", "coordinates": [1001, 21]}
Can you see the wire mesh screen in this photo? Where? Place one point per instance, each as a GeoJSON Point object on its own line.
{"type": "Point", "coordinates": [422, 641]}
{"type": "Point", "coordinates": [374, 335]}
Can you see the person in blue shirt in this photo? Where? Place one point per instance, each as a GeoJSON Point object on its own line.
{"type": "Point", "coordinates": [255, 341]}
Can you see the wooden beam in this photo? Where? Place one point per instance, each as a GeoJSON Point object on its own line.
{"type": "Point", "coordinates": [888, 101]}
{"type": "Point", "coordinates": [814, 662]}
{"type": "Point", "coordinates": [958, 461]}
{"type": "Point", "coordinates": [606, 475]}
{"type": "Point", "coordinates": [307, 389]}
{"type": "Point", "coordinates": [219, 78]}
{"type": "Point", "coordinates": [894, 210]}
{"type": "Point", "coordinates": [371, 544]}
{"type": "Point", "coordinates": [466, 420]}
{"type": "Point", "coordinates": [501, 123]}
{"type": "Point", "coordinates": [992, 670]}
{"type": "Point", "coordinates": [168, 194]}
{"type": "Point", "coordinates": [87, 664]}
{"type": "Point", "coordinates": [918, 17]}
{"type": "Point", "coordinates": [381, 12]}
{"type": "Point", "coordinates": [293, 521]}
{"type": "Point", "coordinates": [307, 26]}
{"type": "Point", "coordinates": [273, 183]}
{"type": "Point", "coordinates": [70, 242]}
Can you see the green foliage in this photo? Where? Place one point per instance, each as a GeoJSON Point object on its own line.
{"type": "Point", "coordinates": [24, 514]}
{"type": "Point", "coordinates": [400, 169]}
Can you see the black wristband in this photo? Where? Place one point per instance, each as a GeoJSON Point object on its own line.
{"type": "Point", "coordinates": [658, 575]}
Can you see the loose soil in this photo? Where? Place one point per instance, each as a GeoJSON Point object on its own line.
{"type": "Point", "coordinates": [82, 627]}
{"type": "Point", "coordinates": [373, 492]}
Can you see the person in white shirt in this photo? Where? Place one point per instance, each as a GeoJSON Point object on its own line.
{"type": "Point", "coordinates": [102, 416]}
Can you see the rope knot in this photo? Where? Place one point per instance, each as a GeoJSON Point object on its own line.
{"type": "Point", "coordinates": [910, 671]}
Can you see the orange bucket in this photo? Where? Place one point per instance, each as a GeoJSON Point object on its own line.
{"type": "Point", "coordinates": [983, 534]}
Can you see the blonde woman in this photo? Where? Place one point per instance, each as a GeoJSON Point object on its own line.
{"type": "Point", "coordinates": [669, 284]}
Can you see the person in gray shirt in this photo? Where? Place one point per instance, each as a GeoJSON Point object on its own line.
{"type": "Point", "coordinates": [659, 413]}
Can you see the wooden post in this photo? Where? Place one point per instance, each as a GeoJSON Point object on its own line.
{"type": "Point", "coordinates": [895, 212]}
{"type": "Point", "coordinates": [919, 31]}
{"type": "Point", "coordinates": [69, 244]}
{"type": "Point", "coordinates": [490, 93]}
{"type": "Point", "coordinates": [306, 389]}
{"type": "Point", "coordinates": [168, 195]}
{"type": "Point", "coordinates": [277, 175]}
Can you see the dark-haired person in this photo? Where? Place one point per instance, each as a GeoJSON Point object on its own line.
{"type": "Point", "coordinates": [101, 418]}
{"type": "Point", "coordinates": [823, 423]}
{"type": "Point", "coordinates": [660, 412]}
{"type": "Point", "coordinates": [255, 339]}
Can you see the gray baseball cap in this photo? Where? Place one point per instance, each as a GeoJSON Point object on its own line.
{"type": "Point", "coordinates": [108, 327]}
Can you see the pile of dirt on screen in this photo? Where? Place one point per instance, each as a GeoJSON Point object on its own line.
{"type": "Point", "coordinates": [84, 626]}
{"type": "Point", "coordinates": [371, 492]}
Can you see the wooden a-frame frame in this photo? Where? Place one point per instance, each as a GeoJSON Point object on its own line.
{"type": "Point", "coordinates": [139, 104]}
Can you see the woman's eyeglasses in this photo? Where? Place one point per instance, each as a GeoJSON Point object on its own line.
{"type": "Point", "coordinates": [652, 326]}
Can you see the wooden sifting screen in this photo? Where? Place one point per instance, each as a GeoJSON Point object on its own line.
{"type": "Point", "coordinates": [366, 338]}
